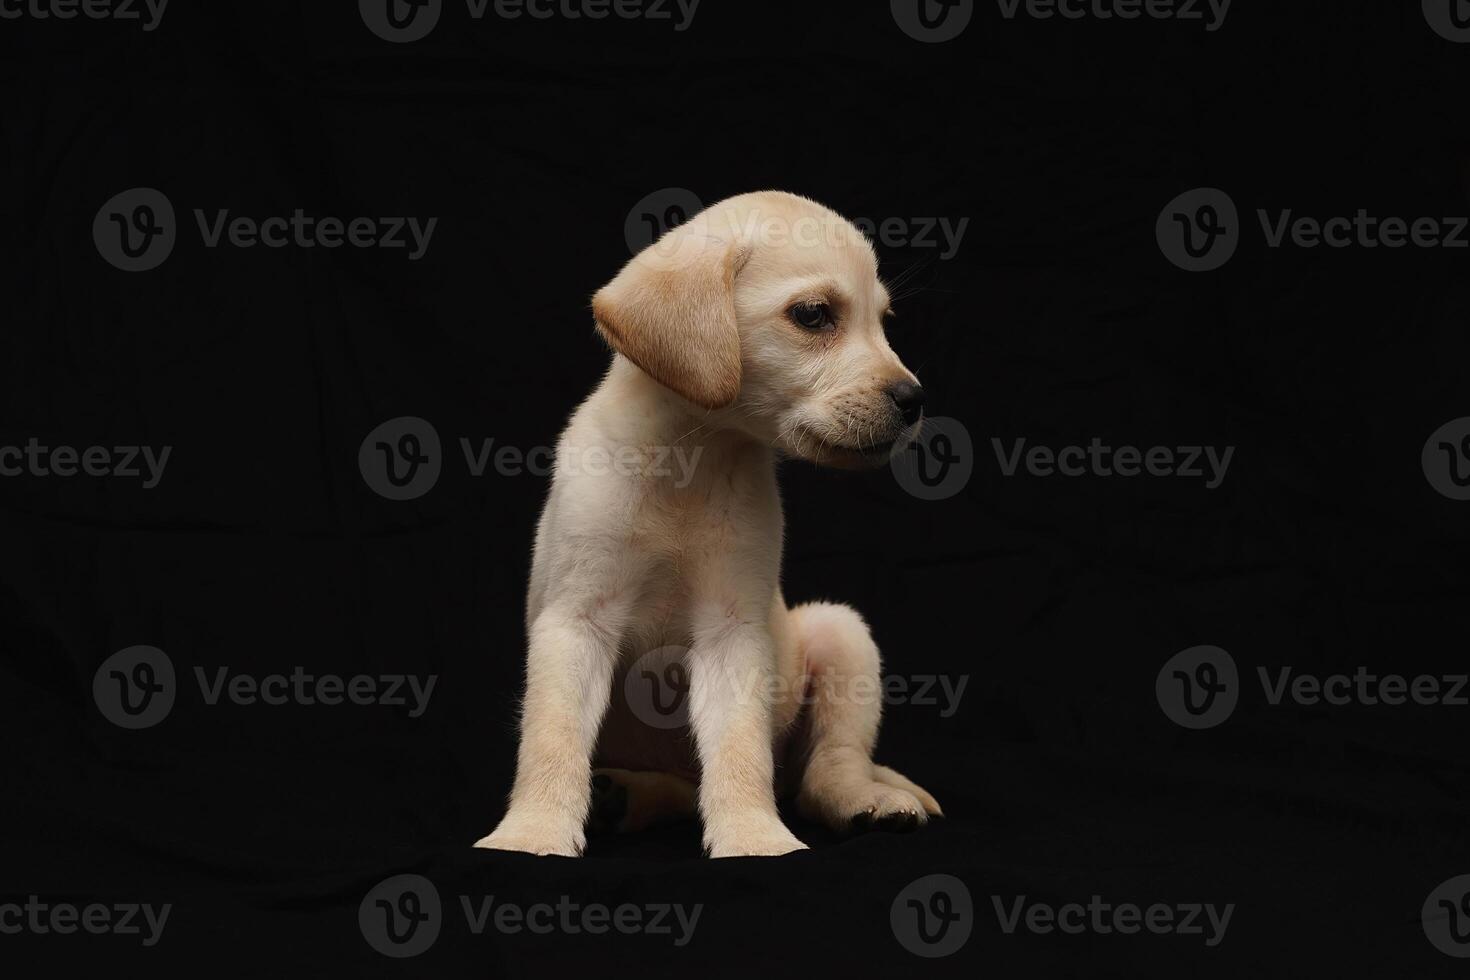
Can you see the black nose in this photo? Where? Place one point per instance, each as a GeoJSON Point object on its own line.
{"type": "Point", "coordinates": [909, 398]}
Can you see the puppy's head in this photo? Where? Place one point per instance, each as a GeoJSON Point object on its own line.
{"type": "Point", "coordinates": [766, 309]}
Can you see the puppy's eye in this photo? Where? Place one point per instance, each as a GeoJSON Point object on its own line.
{"type": "Point", "coordinates": [811, 316]}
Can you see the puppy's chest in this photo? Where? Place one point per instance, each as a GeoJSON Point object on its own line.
{"type": "Point", "coordinates": [714, 520]}
{"type": "Point", "coordinates": [696, 546]}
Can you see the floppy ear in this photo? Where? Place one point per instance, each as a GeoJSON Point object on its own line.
{"type": "Point", "coordinates": [671, 311]}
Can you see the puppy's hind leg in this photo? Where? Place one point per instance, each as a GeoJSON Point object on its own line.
{"type": "Point", "coordinates": [624, 801]}
{"type": "Point", "coordinates": [840, 785]}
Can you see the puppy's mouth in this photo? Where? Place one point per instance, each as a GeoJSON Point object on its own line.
{"type": "Point", "coordinates": [857, 455]}
{"type": "Point", "coordinates": [875, 449]}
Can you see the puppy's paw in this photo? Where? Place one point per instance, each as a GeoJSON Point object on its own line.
{"type": "Point", "coordinates": [543, 835]}
{"type": "Point", "coordinates": [898, 780]}
{"type": "Point", "coordinates": [751, 837]}
{"type": "Point", "coordinates": [887, 808]}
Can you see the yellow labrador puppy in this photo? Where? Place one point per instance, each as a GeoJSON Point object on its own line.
{"type": "Point", "coordinates": [752, 331]}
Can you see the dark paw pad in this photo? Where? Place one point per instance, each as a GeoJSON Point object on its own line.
{"type": "Point", "coordinates": [896, 823]}
{"type": "Point", "coordinates": [891, 823]}
{"type": "Point", "coordinates": [609, 805]}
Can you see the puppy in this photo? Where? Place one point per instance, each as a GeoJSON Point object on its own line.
{"type": "Point", "coordinates": [752, 331]}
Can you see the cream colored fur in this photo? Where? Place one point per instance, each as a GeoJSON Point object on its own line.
{"type": "Point", "coordinates": [627, 560]}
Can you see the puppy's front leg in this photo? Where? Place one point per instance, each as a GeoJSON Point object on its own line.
{"type": "Point", "coordinates": [569, 673]}
{"type": "Point", "coordinates": [731, 667]}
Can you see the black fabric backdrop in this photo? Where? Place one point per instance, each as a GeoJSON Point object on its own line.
{"type": "Point", "coordinates": [1058, 319]}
